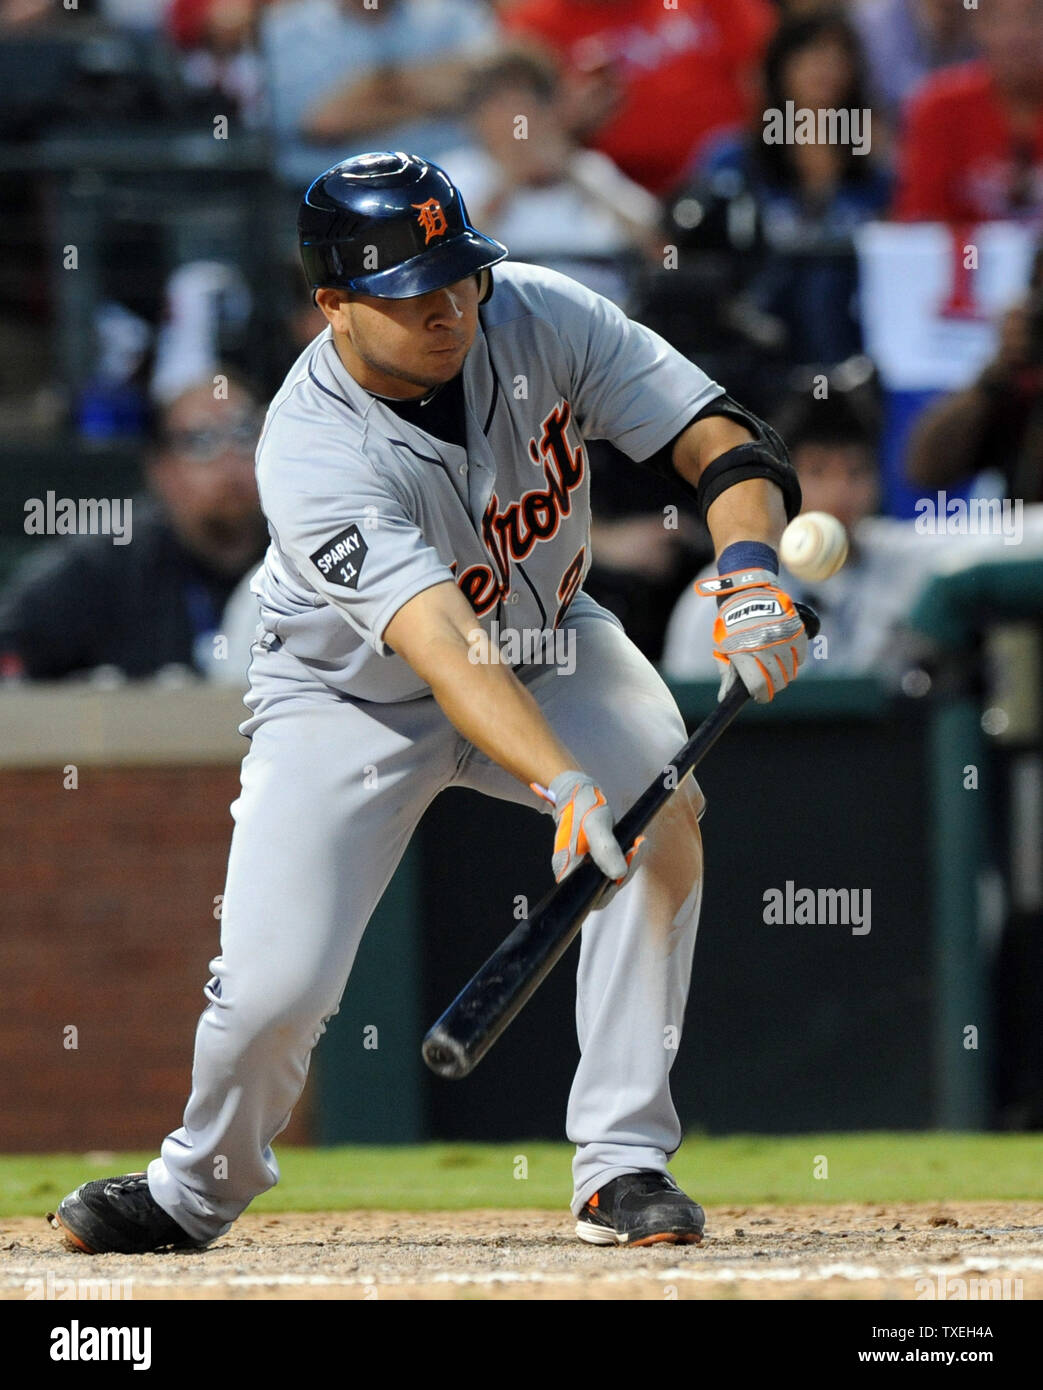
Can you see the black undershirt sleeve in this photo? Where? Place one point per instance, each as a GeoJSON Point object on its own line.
{"type": "Point", "coordinates": [767, 449]}
{"type": "Point", "coordinates": [662, 462]}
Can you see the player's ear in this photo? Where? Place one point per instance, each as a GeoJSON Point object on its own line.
{"type": "Point", "coordinates": [333, 303]}
{"type": "Point", "coordinates": [485, 285]}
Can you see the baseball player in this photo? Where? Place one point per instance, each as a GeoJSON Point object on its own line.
{"type": "Point", "coordinates": [424, 476]}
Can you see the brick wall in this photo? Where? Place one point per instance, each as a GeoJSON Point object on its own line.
{"type": "Point", "coordinates": [107, 896]}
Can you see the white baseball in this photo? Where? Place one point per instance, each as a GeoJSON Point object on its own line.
{"type": "Point", "coordinates": [813, 546]}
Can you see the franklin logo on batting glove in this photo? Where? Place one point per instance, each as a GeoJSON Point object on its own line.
{"type": "Point", "coordinates": [758, 634]}
{"type": "Point", "coordinates": [756, 608]}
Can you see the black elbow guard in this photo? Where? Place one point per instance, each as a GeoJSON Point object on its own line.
{"type": "Point", "coordinates": [766, 458]}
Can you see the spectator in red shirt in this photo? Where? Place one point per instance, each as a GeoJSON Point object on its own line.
{"type": "Point", "coordinates": [973, 150]}
{"type": "Point", "coordinates": [649, 84]}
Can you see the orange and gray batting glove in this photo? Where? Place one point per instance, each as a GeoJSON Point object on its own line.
{"type": "Point", "coordinates": [758, 634]}
{"type": "Point", "coordinates": [584, 823]}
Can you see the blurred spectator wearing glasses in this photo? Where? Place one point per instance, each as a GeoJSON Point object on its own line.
{"type": "Point", "coordinates": [787, 211]}
{"type": "Point", "coordinates": [157, 601]}
{"type": "Point", "coordinates": [647, 84]}
{"type": "Point", "coordinates": [345, 76]}
{"type": "Point", "coordinates": [973, 145]}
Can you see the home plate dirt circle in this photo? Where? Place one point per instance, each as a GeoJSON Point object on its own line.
{"type": "Point", "coordinates": [957, 1250]}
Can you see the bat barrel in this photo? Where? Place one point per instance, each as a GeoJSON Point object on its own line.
{"type": "Point", "coordinates": [458, 1041]}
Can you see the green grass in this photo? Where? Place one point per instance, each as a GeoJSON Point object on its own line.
{"type": "Point", "coordinates": [741, 1169]}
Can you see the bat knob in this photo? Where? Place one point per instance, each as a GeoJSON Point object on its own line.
{"type": "Point", "coordinates": [809, 618]}
{"type": "Point", "coordinates": [445, 1055]}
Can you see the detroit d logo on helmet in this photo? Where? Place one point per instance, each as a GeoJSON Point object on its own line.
{"type": "Point", "coordinates": [431, 218]}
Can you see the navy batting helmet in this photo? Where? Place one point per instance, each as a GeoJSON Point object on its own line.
{"type": "Point", "coordinates": [391, 225]}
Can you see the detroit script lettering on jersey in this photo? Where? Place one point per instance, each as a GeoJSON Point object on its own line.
{"type": "Point", "coordinates": [512, 533]}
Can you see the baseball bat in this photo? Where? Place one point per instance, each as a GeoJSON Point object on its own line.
{"type": "Point", "coordinates": [492, 998]}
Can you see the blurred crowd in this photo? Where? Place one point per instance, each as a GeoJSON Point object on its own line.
{"type": "Point", "coordinates": [668, 153]}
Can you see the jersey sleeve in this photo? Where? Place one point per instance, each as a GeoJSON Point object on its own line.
{"type": "Point", "coordinates": [358, 550]}
{"type": "Point", "coordinates": [629, 385]}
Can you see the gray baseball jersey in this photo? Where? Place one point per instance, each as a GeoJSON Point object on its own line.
{"type": "Point", "coordinates": [366, 511]}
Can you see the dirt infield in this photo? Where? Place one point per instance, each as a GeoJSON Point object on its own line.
{"type": "Point", "coordinates": [972, 1250]}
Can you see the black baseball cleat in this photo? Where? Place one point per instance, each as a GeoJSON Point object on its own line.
{"type": "Point", "coordinates": [646, 1208]}
{"type": "Point", "coordinates": [118, 1216]}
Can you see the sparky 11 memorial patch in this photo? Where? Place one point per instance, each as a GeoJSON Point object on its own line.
{"type": "Point", "coordinates": [339, 560]}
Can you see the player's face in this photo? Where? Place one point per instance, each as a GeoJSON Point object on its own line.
{"type": "Point", "coordinates": [404, 347]}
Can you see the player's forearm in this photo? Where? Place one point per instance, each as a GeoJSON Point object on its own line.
{"type": "Point", "coordinates": [487, 703]}
{"type": "Point", "coordinates": [749, 511]}
{"type": "Point", "coordinates": [753, 510]}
